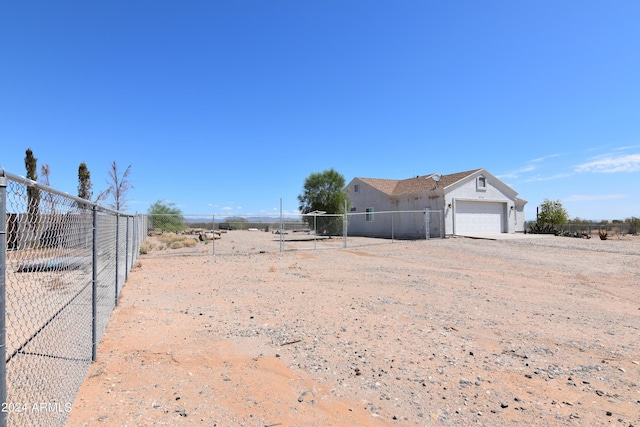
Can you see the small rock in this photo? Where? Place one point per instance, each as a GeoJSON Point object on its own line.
{"type": "Point", "coordinates": [504, 405]}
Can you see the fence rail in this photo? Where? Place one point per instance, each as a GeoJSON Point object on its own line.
{"type": "Point", "coordinates": [63, 261]}
{"type": "Point", "coordinates": [592, 229]}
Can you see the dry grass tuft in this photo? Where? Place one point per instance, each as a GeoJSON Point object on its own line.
{"type": "Point", "coordinates": [146, 247]}
{"type": "Point", "coordinates": [168, 241]}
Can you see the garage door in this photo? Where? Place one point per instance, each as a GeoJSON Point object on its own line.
{"type": "Point", "coordinates": [479, 217]}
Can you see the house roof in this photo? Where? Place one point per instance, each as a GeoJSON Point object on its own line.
{"type": "Point", "coordinates": [417, 184]}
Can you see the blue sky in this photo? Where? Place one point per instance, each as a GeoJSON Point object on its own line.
{"type": "Point", "coordinates": [225, 107]}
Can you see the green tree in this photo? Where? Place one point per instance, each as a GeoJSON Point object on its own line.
{"type": "Point", "coordinates": [119, 185]}
{"type": "Point", "coordinates": [33, 193]}
{"type": "Point", "coordinates": [552, 212]}
{"type": "Point", "coordinates": [324, 191]}
{"type": "Point", "coordinates": [165, 216]}
{"type": "Point", "coordinates": [84, 182]}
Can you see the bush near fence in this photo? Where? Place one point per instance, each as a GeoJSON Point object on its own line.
{"type": "Point", "coordinates": [588, 229]}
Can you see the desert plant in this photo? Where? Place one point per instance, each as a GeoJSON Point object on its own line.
{"type": "Point", "coordinates": [145, 248]}
{"type": "Point", "coordinates": [552, 212]}
{"type": "Point", "coordinates": [538, 228]}
{"type": "Point", "coordinates": [165, 216]}
{"type": "Point", "coordinates": [175, 241]}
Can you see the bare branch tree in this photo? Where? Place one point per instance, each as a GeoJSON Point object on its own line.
{"type": "Point", "coordinates": [45, 171]}
{"type": "Point", "coordinates": [119, 185]}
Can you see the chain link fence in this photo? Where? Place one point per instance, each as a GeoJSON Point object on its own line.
{"type": "Point", "coordinates": [591, 229]}
{"type": "Point", "coordinates": [588, 230]}
{"type": "Point", "coordinates": [63, 261]}
{"type": "Point", "coordinates": [245, 234]}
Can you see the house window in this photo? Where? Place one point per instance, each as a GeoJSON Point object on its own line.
{"type": "Point", "coordinates": [481, 183]}
{"type": "Point", "coordinates": [368, 214]}
{"type": "Point", "coordinates": [356, 188]}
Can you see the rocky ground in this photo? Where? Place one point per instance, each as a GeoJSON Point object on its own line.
{"type": "Point", "coordinates": [451, 332]}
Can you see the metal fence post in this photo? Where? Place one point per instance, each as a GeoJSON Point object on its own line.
{"type": "Point", "coordinates": [94, 292]}
{"type": "Point", "coordinates": [3, 294]}
{"type": "Point", "coordinates": [393, 214]}
{"type": "Point", "coordinates": [344, 226]}
{"type": "Point", "coordinates": [117, 259]}
{"type": "Point", "coordinates": [281, 229]}
{"type": "Point", "coordinates": [126, 253]}
{"type": "Point", "coordinates": [427, 232]}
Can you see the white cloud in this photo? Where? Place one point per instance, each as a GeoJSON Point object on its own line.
{"type": "Point", "coordinates": [628, 147]}
{"type": "Point", "coordinates": [626, 163]}
{"type": "Point", "coordinates": [540, 159]}
{"type": "Point", "coordinates": [514, 174]}
{"type": "Point", "coordinates": [529, 166]}
{"type": "Point", "coordinates": [548, 178]}
{"type": "Point", "coordinates": [592, 197]}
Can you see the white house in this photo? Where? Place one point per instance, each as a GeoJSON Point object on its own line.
{"type": "Point", "coordinates": [463, 203]}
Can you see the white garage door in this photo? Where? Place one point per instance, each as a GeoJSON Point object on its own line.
{"type": "Point", "coordinates": [479, 217]}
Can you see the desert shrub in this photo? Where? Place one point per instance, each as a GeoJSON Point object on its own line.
{"type": "Point", "coordinates": [185, 242]}
{"type": "Point", "coordinates": [146, 247]}
{"type": "Point", "coordinates": [175, 241]}
{"type": "Point", "coordinates": [538, 228]}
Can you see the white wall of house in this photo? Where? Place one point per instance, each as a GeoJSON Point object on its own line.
{"type": "Point", "coordinates": [520, 217]}
{"type": "Point", "coordinates": [384, 223]}
{"type": "Point", "coordinates": [479, 203]}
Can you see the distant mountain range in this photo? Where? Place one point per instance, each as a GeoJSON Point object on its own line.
{"type": "Point", "coordinates": [265, 219]}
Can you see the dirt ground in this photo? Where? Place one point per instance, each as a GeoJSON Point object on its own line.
{"type": "Point", "coordinates": [451, 332]}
